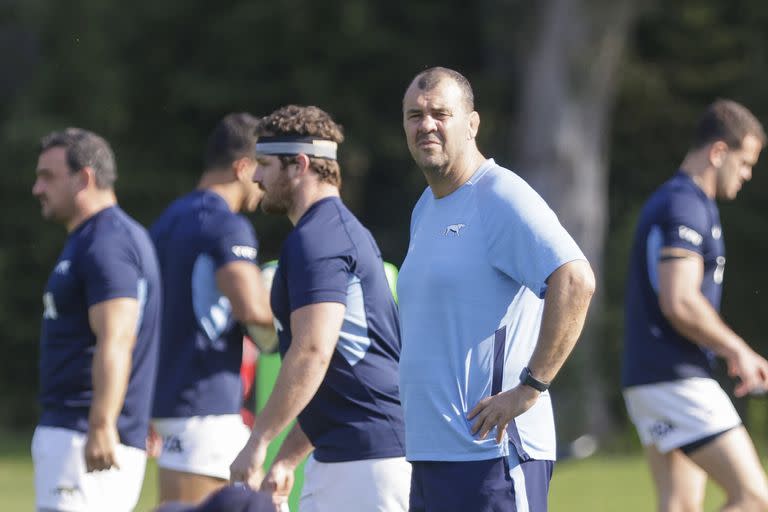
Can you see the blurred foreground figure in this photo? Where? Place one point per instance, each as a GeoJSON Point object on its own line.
{"type": "Point", "coordinates": [211, 287]}
{"type": "Point", "coordinates": [339, 335]}
{"type": "Point", "coordinates": [235, 498]}
{"type": "Point", "coordinates": [98, 348]}
{"type": "Point", "coordinates": [493, 296]}
{"type": "Point", "coordinates": [673, 330]}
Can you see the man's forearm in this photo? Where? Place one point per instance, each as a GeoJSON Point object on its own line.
{"type": "Point", "coordinates": [569, 292]}
{"type": "Point", "coordinates": [301, 374]}
{"type": "Point", "coordinates": [110, 373]}
{"type": "Point", "coordinates": [295, 447]}
{"type": "Point", "coordinates": [696, 320]}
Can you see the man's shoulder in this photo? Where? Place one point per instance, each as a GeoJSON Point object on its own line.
{"type": "Point", "coordinates": [501, 185]}
{"type": "Point", "coordinates": [115, 226]}
{"type": "Point", "coordinates": [674, 199]}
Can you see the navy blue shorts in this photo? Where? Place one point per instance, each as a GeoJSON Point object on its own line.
{"type": "Point", "coordinates": [480, 486]}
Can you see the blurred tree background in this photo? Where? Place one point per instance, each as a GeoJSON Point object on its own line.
{"type": "Point", "coordinates": [592, 101]}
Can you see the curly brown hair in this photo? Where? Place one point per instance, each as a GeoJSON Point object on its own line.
{"type": "Point", "coordinates": [309, 121]}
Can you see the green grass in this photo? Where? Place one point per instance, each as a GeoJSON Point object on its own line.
{"type": "Point", "coordinates": [610, 483]}
{"type": "Point", "coordinates": [601, 483]}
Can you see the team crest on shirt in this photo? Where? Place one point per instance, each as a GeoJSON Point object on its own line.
{"type": "Point", "coordinates": [453, 229]}
{"type": "Point", "coordinates": [62, 267]}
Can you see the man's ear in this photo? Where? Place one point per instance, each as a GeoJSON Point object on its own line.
{"type": "Point", "coordinates": [474, 124]}
{"type": "Point", "coordinates": [86, 178]}
{"type": "Point", "coordinates": [718, 150]}
{"type": "Point", "coordinates": [240, 168]}
{"type": "Point", "coordinates": [302, 163]}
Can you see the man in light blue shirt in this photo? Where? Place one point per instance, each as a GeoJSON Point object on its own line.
{"type": "Point", "coordinates": [493, 295]}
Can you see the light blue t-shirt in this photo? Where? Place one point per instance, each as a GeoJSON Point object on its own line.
{"type": "Point", "coordinates": [471, 294]}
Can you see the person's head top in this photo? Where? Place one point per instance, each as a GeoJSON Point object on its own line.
{"type": "Point", "coordinates": [75, 176]}
{"type": "Point", "coordinates": [230, 161]}
{"type": "Point", "coordinates": [441, 124]}
{"type": "Point", "coordinates": [297, 155]}
{"type": "Point", "coordinates": [726, 144]}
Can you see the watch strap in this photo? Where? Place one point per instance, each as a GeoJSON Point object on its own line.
{"type": "Point", "coordinates": [529, 380]}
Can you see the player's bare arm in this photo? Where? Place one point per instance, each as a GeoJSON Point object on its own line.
{"type": "Point", "coordinates": [569, 292]}
{"type": "Point", "coordinates": [240, 281]}
{"type": "Point", "coordinates": [691, 314]}
{"type": "Point", "coordinates": [315, 329]}
{"type": "Point", "coordinates": [280, 478]}
{"type": "Point", "coordinates": [114, 324]}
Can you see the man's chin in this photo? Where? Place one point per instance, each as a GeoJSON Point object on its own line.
{"type": "Point", "coordinates": [429, 162]}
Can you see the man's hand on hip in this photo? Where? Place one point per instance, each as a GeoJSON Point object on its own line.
{"type": "Point", "coordinates": [498, 410]}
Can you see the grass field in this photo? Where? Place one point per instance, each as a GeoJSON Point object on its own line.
{"type": "Point", "coordinates": [600, 483]}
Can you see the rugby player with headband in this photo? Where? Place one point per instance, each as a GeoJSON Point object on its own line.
{"type": "Point", "coordinates": [338, 333]}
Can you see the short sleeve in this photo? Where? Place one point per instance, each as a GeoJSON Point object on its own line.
{"type": "Point", "coordinates": [683, 223]}
{"type": "Point", "coordinates": [525, 239]}
{"type": "Point", "coordinates": [314, 277]}
{"type": "Point", "coordinates": [233, 239]}
{"type": "Point", "coordinates": [110, 269]}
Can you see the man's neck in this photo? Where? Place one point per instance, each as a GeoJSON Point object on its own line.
{"type": "Point", "coordinates": [447, 181]}
{"type": "Point", "coordinates": [697, 166]}
{"type": "Point", "coordinates": [307, 196]}
{"type": "Point", "coordinates": [89, 207]}
{"type": "Point", "coordinates": [222, 185]}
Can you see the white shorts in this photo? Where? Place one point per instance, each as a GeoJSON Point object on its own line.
{"type": "Point", "coordinates": [203, 445]}
{"type": "Point", "coordinates": [62, 483]}
{"type": "Point", "coordinates": [376, 485]}
{"type": "Point", "coordinates": [673, 414]}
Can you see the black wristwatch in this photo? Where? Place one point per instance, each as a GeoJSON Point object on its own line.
{"type": "Point", "coordinates": [529, 380]}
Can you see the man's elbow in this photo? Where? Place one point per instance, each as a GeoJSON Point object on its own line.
{"type": "Point", "coordinates": [580, 279]}
{"type": "Point", "coordinates": [313, 352]}
{"type": "Point", "coordinates": [674, 309]}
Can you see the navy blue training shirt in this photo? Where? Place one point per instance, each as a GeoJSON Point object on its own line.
{"type": "Point", "coordinates": [201, 345]}
{"type": "Point", "coordinates": [108, 256]}
{"type": "Point", "coordinates": [679, 214]}
{"type": "Point", "coordinates": [331, 257]}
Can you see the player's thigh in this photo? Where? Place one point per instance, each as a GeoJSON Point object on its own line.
{"type": "Point", "coordinates": [380, 485]}
{"type": "Point", "coordinates": [680, 484]}
{"type": "Point", "coordinates": [732, 461]}
{"type": "Point", "coordinates": [201, 445]}
{"type": "Point", "coordinates": [62, 482]}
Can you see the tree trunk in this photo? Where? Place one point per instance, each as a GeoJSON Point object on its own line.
{"type": "Point", "coordinates": [567, 82]}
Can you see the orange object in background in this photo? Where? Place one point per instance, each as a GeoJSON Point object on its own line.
{"type": "Point", "coordinates": [248, 370]}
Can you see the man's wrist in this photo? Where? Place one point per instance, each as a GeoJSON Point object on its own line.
{"type": "Point", "coordinates": [259, 437]}
{"type": "Point", "coordinates": [527, 379]}
{"type": "Point", "coordinates": [99, 422]}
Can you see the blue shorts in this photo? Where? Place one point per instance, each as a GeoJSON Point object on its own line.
{"type": "Point", "coordinates": [480, 486]}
